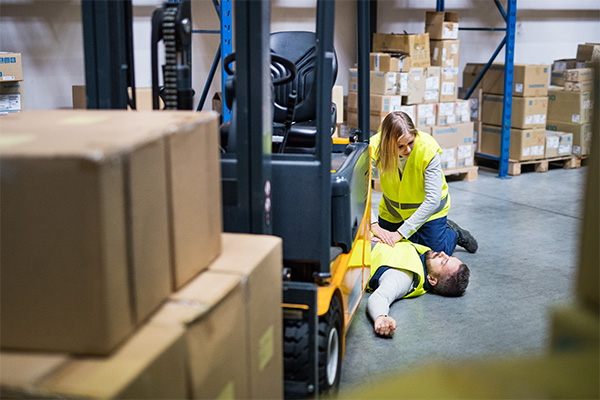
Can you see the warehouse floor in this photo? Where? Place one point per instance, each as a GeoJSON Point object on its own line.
{"type": "Point", "coordinates": [528, 228]}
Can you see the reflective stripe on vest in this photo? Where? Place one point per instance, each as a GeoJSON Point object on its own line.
{"type": "Point", "coordinates": [392, 206]}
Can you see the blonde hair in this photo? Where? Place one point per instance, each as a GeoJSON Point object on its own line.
{"type": "Point", "coordinates": [394, 126]}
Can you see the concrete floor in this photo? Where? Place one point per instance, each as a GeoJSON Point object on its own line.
{"type": "Point", "coordinates": [528, 231]}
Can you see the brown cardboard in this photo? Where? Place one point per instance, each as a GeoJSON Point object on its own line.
{"type": "Point", "coordinates": [12, 96]}
{"type": "Point", "coordinates": [379, 103]}
{"type": "Point", "coordinates": [417, 46]}
{"type": "Point", "coordinates": [446, 113]}
{"type": "Point", "coordinates": [212, 312]}
{"type": "Point", "coordinates": [337, 97]}
{"type": "Point", "coordinates": [588, 86]}
{"type": "Point", "coordinates": [475, 101]}
{"type": "Point", "coordinates": [103, 178]}
{"type": "Point", "coordinates": [557, 78]}
{"type": "Point", "coordinates": [11, 68]}
{"type": "Point", "coordinates": [582, 135]}
{"type": "Point", "coordinates": [525, 144]}
{"type": "Point", "coordinates": [377, 117]}
{"type": "Point", "coordinates": [432, 85]}
{"type": "Point", "coordinates": [527, 112]}
{"type": "Point", "coordinates": [578, 75]}
{"type": "Point", "coordinates": [217, 102]}
{"type": "Point", "coordinates": [384, 83]}
{"type": "Point", "coordinates": [425, 114]}
{"type": "Point", "coordinates": [552, 141]}
{"type": "Point", "coordinates": [352, 79]}
{"type": "Point", "coordinates": [462, 109]}
{"type": "Point", "coordinates": [588, 52]}
{"type": "Point", "coordinates": [143, 98]}
{"type": "Point", "coordinates": [21, 372]}
{"type": "Point", "coordinates": [416, 86]}
{"type": "Point", "coordinates": [565, 144]}
{"type": "Point", "coordinates": [569, 106]}
{"type": "Point", "coordinates": [456, 141]}
{"type": "Point", "coordinates": [444, 53]}
{"type": "Point", "coordinates": [258, 259]}
{"type": "Point", "coordinates": [386, 62]}
{"type": "Point", "coordinates": [470, 74]}
{"type": "Point", "coordinates": [149, 365]}
{"type": "Point", "coordinates": [449, 84]}
{"type": "Point", "coordinates": [441, 25]}
{"type": "Point", "coordinates": [528, 80]}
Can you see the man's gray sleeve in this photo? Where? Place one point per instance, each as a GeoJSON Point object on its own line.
{"type": "Point", "coordinates": [394, 284]}
{"type": "Point", "coordinates": [433, 194]}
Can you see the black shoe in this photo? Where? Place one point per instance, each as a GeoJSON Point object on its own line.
{"type": "Point", "coordinates": [465, 239]}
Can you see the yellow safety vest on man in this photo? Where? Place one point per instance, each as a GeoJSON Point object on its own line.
{"type": "Point", "coordinates": [405, 255]}
{"type": "Point", "coordinates": [403, 195]}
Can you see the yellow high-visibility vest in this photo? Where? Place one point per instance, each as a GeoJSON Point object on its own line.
{"type": "Point", "coordinates": [403, 195]}
{"type": "Point", "coordinates": [405, 256]}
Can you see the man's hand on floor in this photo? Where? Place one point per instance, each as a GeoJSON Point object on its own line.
{"type": "Point", "coordinates": [385, 325]}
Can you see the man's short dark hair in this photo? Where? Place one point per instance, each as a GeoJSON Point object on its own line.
{"type": "Point", "coordinates": [453, 285]}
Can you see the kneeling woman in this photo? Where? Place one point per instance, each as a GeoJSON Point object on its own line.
{"type": "Point", "coordinates": [415, 200]}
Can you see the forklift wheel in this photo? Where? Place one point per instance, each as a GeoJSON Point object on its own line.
{"type": "Point", "coordinates": [296, 350]}
{"type": "Point", "coordinates": [330, 348]}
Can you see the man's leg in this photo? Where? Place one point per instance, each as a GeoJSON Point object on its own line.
{"type": "Point", "coordinates": [393, 285]}
{"type": "Point", "coordinates": [436, 235]}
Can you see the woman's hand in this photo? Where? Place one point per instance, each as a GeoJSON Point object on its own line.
{"type": "Point", "coordinates": [385, 236]}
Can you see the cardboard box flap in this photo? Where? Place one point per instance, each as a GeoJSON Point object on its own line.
{"type": "Point", "coordinates": [209, 288]}
{"type": "Point", "coordinates": [243, 251]}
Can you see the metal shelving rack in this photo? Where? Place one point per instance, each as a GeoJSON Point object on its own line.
{"type": "Point", "coordinates": [510, 17]}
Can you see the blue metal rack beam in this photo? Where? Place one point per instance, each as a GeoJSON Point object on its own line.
{"type": "Point", "coordinates": [510, 18]}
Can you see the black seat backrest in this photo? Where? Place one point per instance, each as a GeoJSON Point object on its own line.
{"type": "Point", "coordinates": [300, 48]}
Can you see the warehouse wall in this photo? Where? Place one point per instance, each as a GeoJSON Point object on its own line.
{"type": "Point", "coordinates": [49, 35]}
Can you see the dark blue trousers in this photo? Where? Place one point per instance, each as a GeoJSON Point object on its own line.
{"type": "Point", "coordinates": [434, 234]}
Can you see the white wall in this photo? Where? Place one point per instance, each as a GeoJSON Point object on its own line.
{"type": "Point", "coordinates": [49, 35]}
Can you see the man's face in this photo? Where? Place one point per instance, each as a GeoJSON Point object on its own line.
{"type": "Point", "coordinates": [440, 264]}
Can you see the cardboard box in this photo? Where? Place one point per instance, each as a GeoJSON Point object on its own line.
{"type": "Point", "coordinates": [462, 109]}
{"type": "Point", "coordinates": [475, 101]}
{"type": "Point", "coordinates": [352, 79]}
{"type": "Point", "coordinates": [103, 178]}
{"type": "Point", "coordinates": [528, 80]}
{"type": "Point", "coordinates": [432, 85]}
{"type": "Point", "coordinates": [464, 155]}
{"type": "Point", "coordinates": [384, 83]}
{"type": "Point", "coordinates": [416, 86]}
{"type": "Point", "coordinates": [569, 106]}
{"type": "Point", "coordinates": [588, 86]}
{"type": "Point", "coordinates": [582, 135]}
{"type": "Point", "coordinates": [444, 53]}
{"type": "Point", "coordinates": [441, 25]}
{"type": "Point", "coordinates": [470, 75]}
{"type": "Point", "coordinates": [552, 141]}
{"type": "Point", "coordinates": [416, 46]}
{"type": "Point", "coordinates": [375, 120]}
{"type": "Point", "coordinates": [449, 84]}
{"type": "Point", "coordinates": [379, 103]}
{"type": "Point", "coordinates": [11, 68]}
{"type": "Point", "coordinates": [456, 141]}
{"type": "Point", "coordinates": [445, 113]}
{"type": "Point", "coordinates": [212, 312]}
{"type": "Point", "coordinates": [258, 259]}
{"type": "Point", "coordinates": [588, 52]}
{"type": "Point", "coordinates": [21, 372]}
{"type": "Point", "coordinates": [403, 78]}
{"type": "Point", "coordinates": [579, 75]}
{"type": "Point", "coordinates": [527, 112]}
{"type": "Point", "coordinates": [12, 97]}
{"type": "Point", "coordinates": [525, 144]}
{"type": "Point", "coordinates": [565, 144]}
{"type": "Point", "coordinates": [384, 62]}
{"type": "Point", "coordinates": [425, 114]}
{"type": "Point", "coordinates": [557, 78]}
{"type": "Point", "coordinates": [149, 365]}
{"type": "Point", "coordinates": [558, 68]}
{"type": "Point", "coordinates": [143, 98]}
{"type": "Point", "coordinates": [352, 118]}
{"type": "Point", "coordinates": [217, 102]}
{"type": "Point", "coordinates": [337, 97]}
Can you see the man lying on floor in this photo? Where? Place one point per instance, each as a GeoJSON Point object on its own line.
{"type": "Point", "coordinates": [410, 270]}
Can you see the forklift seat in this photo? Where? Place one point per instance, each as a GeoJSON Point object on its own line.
{"type": "Point", "coordinates": [299, 47]}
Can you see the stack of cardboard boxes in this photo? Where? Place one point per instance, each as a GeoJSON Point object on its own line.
{"type": "Point", "coordinates": [570, 99]}
{"type": "Point", "coordinates": [407, 76]}
{"type": "Point", "coordinates": [116, 281]}
{"type": "Point", "coordinates": [529, 111]}
{"type": "Point", "coordinates": [11, 83]}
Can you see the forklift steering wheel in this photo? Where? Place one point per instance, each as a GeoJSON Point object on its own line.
{"type": "Point", "coordinates": [282, 70]}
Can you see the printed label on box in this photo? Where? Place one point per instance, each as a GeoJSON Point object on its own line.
{"type": "Point", "coordinates": [451, 119]}
{"type": "Point", "coordinates": [431, 120]}
{"type": "Point", "coordinates": [564, 149]}
{"type": "Point", "coordinates": [576, 150]}
{"type": "Point", "coordinates": [529, 119]}
{"type": "Point", "coordinates": [395, 103]}
{"type": "Point", "coordinates": [10, 102]}
{"type": "Point", "coordinates": [436, 53]}
{"type": "Point", "coordinates": [539, 119]}
{"type": "Point", "coordinates": [448, 88]}
{"type": "Point", "coordinates": [464, 151]}
{"type": "Point", "coordinates": [526, 151]}
{"type": "Point", "coordinates": [519, 87]}
{"type": "Point", "coordinates": [403, 83]}
{"type": "Point", "coordinates": [537, 150]}
{"type": "Point", "coordinates": [446, 108]}
{"type": "Point", "coordinates": [425, 111]}
{"type": "Point", "coordinates": [431, 95]}
{"type": "Point", "coordinates": [552, 142]}
{"type": "Point", "coordinates": [447, 155]}
{"type": "Point", "coordinates": [454, 48]}
{"type": "Point", "coordinates": [575, 118]}
{"type": "Point", "coordinates": [432, 83]}
{"type": "Point", "coordinates": [443, 53]}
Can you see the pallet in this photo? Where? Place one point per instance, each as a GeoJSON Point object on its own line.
{"type": "Point", "coordinates": [515, 167]}
{"type": "Point", "coordinates": [462, 174]}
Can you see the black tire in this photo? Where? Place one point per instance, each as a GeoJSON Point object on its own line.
{"type": "Point", "coordinates": [330, 348]}
{"type": "Point", "coordinates": [295, 350]}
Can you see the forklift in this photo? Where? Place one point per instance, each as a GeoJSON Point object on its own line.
{"type": "Point", "coordinates": [282, 171]}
